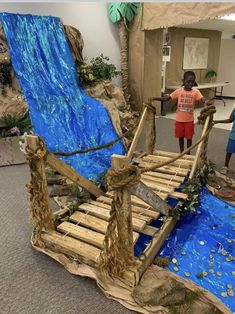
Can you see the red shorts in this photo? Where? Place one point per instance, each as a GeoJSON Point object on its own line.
{"type": "Point", "coordinates": [184, 129]}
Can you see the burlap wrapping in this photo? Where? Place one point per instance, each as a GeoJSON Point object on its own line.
{"type": "Point", "coordinates": [118, 291]}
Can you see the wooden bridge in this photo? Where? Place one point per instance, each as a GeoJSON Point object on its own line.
{"type": "Point", "coordinates": [82, 235]}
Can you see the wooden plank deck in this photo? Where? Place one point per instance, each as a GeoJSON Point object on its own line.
{"type": "Point", "coordinates": [82, 235]}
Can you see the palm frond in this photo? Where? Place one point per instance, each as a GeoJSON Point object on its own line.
{"type": "Point", "coordinates": [130, 10]}
{"type": "Point", "coordinates": [115, 11]}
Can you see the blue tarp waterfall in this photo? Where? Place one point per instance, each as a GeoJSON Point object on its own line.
{"type": "Point", "coordinates": [62, 114]}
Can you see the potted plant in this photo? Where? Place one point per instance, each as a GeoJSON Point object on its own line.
{"type": "Point", "coordinates": [210, 75]}
{"type": "Point", "coordinates": [97, 70]}
{"type": "Point", "coordinates": [12, 127]}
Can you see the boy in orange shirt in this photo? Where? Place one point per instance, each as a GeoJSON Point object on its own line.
{"type": "Point", "coordinates": [186, 98]}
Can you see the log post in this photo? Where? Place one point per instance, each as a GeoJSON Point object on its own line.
{"type": "Point", "coordinates": [199, 149]}
{"type": "Point", "coordinates": [150, 131]}
{"type": "Point", "coordinates": [137, 134]}
{"type": "Point", "coordinates": [118, 254]}
{"type": "Point", "coordinates": [123, 213]}
{"type": "Point", "coordinates": [39, 206]}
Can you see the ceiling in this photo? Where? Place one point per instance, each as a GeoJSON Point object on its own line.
{"type": "Point", "coordinates": [217, 24]}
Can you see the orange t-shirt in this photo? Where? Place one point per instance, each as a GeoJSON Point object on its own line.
{"type": "Point", "coordinates": [186, 102]}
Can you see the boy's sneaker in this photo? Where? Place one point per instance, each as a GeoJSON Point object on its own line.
{"type": "Point", "coordinates": [224, 170]}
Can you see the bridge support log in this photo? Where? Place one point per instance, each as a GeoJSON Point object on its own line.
{"type": "Point", "coordinates": [39, 207]}
{"type": "Point", "coordinates": [123, 210]}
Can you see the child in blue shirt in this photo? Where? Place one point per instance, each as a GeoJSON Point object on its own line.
{"type": "Point", "coordinates": [231, 141]}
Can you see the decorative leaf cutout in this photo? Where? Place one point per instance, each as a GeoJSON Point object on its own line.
{"type": "Point", "coordinates": [130, 10]}
{"type": "Point", "coordinates": [122, 10]}
{"type": "Point", "coordinates": [115, 11]}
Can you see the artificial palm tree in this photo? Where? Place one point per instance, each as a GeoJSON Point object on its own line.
{"type": "Point", "coordinates": [123, 13]}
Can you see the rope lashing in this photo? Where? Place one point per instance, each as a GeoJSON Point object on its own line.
{"type": "Point", "coordinates": [165, 163]}
{"type": "Point", "coordinates": [93, 149]}
{"type": "Point", "coordinates": [38, 154]}
{"type": "Point", "coordinates": [208, 110]}
{"type": "Point", "coordinates": [115, 259]}
{"type": "Point", "coordinates": [118, 179]}
{"type": "Point", "coordinates": [150, 106]}
{"type": "Point", "coordinates": [109, 144]}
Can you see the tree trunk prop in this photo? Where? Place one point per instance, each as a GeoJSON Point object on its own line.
{"type": "Point", "coordinates": [123, 35]}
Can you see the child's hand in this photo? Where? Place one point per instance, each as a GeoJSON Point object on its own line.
{"type": "Point", "coordinates": [151, 99]}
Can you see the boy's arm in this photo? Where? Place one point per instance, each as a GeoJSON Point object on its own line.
{"type": "Point", "coordinates": [203, 101]}
{"type": "Point", "coordinates": [164, 98]}
{"type": "Point", "coordinates": [209, 102]}
{"type": "Point", "coordinates": [229, 120]}
{"type": "Point", "coordinates": [199, 97]}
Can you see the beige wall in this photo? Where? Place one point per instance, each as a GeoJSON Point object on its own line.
{"type": "Point", "coordinates": [227, 66]}
{"type": "Point", "coordinates": [174, 72]}
{"type": "Point", "coordinates": [145, 63]}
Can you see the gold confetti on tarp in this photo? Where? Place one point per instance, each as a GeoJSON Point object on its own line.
{"type": "Point", "coordinates": [231, 292]}
{"type": "Point", "coordinates": [223, 252]}
{"type": "Point", "coordinates": [229, 258]}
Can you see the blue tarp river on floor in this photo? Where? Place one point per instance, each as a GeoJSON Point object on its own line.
{"type": "Point", "coordinates": [202, 248]}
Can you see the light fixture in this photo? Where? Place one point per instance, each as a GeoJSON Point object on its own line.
{"type": "Point", "coordinates": [230, 17]}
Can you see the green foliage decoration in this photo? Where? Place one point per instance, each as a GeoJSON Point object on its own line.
{"type": "Point", "coordinates": [130, 10]}
{"type": "Point", "coordinates": [115, 10]}
{"type": "Point", "coordinates": [193, 187]}
{"type": "Point", "coordinates": [50, 172]}
{"type": "Point", "coordinates": [162, 261]}
{"type": "Point", "coordinates": [15, 124]}
{"type": "Point", "coordinates": [98, 70]}
{"type": "Point", "coordinates": [77, 197]}
{"type": "Point", "coordinates": [210, 74]}
{"type": "Point", "coordinates": [122, 10]}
